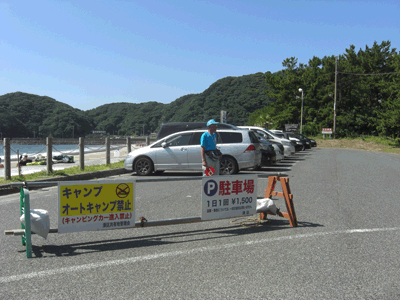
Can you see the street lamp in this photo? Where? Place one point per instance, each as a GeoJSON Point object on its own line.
{"type": "Point", "coordinates": [301, 121]}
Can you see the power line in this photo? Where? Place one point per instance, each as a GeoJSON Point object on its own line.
{"type": "Point", "coordinates": [372, 74]}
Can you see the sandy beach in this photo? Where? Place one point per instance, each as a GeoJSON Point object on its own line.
{"type": "Point", "coordinates": [97, 158]}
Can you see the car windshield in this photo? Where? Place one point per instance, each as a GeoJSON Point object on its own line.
{"type": "Point", "coordinates": [261, 137]}
{"type": "Point", "coordinates": [299, 136]}
{"type": "Point", "coordinates": [274, 135]}
{"type": "Point", "coordinates": [293, 135]}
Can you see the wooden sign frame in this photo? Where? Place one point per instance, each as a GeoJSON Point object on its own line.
{"type": "Point", "coordinates": [286, 194]}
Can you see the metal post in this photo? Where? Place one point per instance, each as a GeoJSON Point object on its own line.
{"type": "Point", "coordinates": [301, 127]}
{"type": "Point", "coordinates": [49, 159]}
{"type": "Point", "coordinates": [147, 140]}
{"type": "Point", "coordinates": [82, 153]}
{"type": "Point", "coordinates": [7, 159]}
{"type": "Point", "coordinates": [301, 121]}
{"type": "Point", "coordinates": [128, 144]}
{"type": "Point", "coordinates": [334, 105]}
{"type": "Point", "coordinates": [108, 151]}
{"type": "Point", "coordinates": [26, 210]}
{"type": "Point", "coordinates": [18, 164]}
{"type": "Point", "coordinates": [22, 209]}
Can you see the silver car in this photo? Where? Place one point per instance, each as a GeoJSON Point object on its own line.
{"type": "Point", "coordinates": [182, 151]}
{"type": "Point", "coordinates": [289, 149]}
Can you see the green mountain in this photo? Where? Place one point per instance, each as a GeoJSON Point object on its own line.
{"type": "Point", "coordinates": [27, 115]}
{"type": "Point", "coordinates": [366, 83]}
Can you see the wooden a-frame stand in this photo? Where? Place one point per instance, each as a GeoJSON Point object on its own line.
{"type": "Point", "coordinates": [290, 214]}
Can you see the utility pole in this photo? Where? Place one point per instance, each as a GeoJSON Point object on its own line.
{"type": "Point", "coordinates": [334, 105]}
{"type": "Point", "coordinates": [301, 119]}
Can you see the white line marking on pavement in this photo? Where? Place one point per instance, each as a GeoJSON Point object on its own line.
{"type": "Point", "coordinates": [177, 253]}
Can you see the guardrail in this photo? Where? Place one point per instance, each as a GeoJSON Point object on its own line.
{"type": "Point", "coordinates": [26, 232]}
{"type": "Point", "coordinates": [67, 155]}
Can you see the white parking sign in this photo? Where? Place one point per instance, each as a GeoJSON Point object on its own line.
{"type": "Point", "coordinates": [228, 196]}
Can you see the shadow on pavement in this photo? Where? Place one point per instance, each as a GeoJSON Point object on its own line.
{"type": "Point", "coordinates": [164, 238]}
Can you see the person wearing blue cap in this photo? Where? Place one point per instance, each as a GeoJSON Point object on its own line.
{"type": "Point", "coordinates": [208, 143]}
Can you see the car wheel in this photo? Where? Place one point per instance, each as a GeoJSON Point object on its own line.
{"type": "Point", "coordinates": [303, 148]}
{"type": "Point", "coordinates": [143, 166]}
{"type": "Point", "coordinates": [227, 166]}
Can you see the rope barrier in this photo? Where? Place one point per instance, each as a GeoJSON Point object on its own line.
{"type": "Point", "coordinates": [33, 154]}
{"type": "Point", "coordinates": [66, 152]}
{"type": "Point", "coordinates": [41, 150]}
{"type": "Point", "coordinates": [13, 150]}
{"type": "Point", "coordinates": [89, 148]}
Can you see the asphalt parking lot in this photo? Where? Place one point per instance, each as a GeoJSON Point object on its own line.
{"type": "Point", "coordinates": [345, 246]}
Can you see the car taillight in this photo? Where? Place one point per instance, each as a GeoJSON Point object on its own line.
{"type": "Point", "coordinates": [250, 148]}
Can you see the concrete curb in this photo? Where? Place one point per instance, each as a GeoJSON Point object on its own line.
{"type": "Point", "coordinates": [6, 189]}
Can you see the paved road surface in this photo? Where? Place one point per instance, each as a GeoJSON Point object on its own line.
{"type": "Point", "coordinates": [346, 245]}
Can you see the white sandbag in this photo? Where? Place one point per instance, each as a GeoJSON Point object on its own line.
{"type": "Point", "coordinates": [116, 153]}
{"type": "Point", "coordinates": [266, 205]}
{"type": "Point", "coordinates": [40, 222]}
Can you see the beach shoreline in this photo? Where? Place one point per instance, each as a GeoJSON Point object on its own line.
{"type": "Point", "coordinates": [73, 152]}
{"type": "Point", "coordinates": [92, 158]}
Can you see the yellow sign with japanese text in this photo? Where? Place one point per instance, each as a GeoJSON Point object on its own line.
{"type": "Point", "coordinates": [90, 199]}
{"type": "Point", "coordinates": [95, 205]}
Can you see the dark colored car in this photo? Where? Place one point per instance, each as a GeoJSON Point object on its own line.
{"type": "Point", "coordinates": [312, 142]}
{"type": "Point", "coordinates": [268, 154]}
{"type": "Point", "coordinates": [268, 157]}
{"type": "Point", "coordinates": [172, 127]}
{"type": "Point", "coordinates": [304, 140]}
{"type": "Point", "coordinates": [298, 144]}
{"type": "Point", "coordinates": [280, 146]}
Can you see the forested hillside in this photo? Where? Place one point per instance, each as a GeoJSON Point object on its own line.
{"type": "Point", "coordinates": [368, 101]}
{"type": "Point", "coordinates": [368, 93]}
{"type": "Point", "coordinates": [27, 115]}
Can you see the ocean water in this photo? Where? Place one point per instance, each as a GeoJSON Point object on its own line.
{"type": "Point", "coordinates": [32, 150]}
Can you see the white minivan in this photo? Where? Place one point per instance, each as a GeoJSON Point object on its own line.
{"type": "Point", "coordinates": [268, 135]}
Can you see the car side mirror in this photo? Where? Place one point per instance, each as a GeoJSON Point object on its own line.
{"type": "Point", "coordinates": [164, 144]}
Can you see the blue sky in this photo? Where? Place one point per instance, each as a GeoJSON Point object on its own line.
{"type": "Point", "coordinates": [90, 53]}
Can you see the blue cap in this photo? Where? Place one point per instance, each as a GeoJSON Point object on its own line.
{"type": "Point", "coordinates": [212, 122]}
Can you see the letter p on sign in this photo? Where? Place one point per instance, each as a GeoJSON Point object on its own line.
{"type": "Point", "coordinates": [210, 188]}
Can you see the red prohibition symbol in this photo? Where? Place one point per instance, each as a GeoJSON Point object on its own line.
{"type": "Point", "coordinates": [122, 190]}
{"type": "Point", "coordinates": [210, 171]}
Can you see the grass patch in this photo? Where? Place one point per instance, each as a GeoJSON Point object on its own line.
{"type": "Point", "coordinates": [42, 175]}
{"type": "Point", "coordinates": [368, 143]}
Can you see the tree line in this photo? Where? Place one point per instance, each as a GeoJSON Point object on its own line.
{"type": "Point", "coordinates": [368, 93]}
